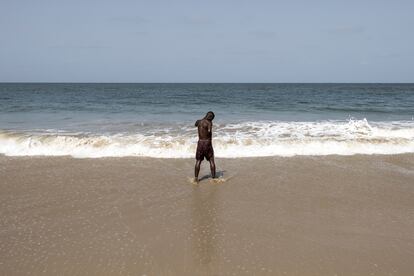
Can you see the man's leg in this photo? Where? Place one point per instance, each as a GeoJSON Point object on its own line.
{"type": "Point", "coordinates": [212, 167]}
{"type": "Point", "coordinates": [197, 169]}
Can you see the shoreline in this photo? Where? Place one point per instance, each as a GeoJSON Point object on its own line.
{"type": "Point", "coordinates": [374, 155]}
{"type": "Point", "coordinates": [301, 215]}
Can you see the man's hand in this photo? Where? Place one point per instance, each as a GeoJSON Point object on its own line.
{"type": "Point", "coordinates": [196, 123]}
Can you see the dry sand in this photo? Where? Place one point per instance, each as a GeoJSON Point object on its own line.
{"type": "Point", "coordinates": [336, 215]}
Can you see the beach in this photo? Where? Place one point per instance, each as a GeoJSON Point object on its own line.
{"type": "Point", "coordinates": [107, 108]}
{"type": "Point", "coordinates": [302, 215]}
{"type": "Point", "coordinates": [314, 179]}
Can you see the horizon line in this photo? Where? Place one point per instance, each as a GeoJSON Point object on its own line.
{"type": "Point", "coordinates": [82, 82]}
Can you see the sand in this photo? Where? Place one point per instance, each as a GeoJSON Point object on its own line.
{"type": "Point", "coordinates": [332, 215]}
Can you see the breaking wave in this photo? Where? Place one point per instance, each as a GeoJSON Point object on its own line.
{"type": "Point", "coordinates": [247, 139]}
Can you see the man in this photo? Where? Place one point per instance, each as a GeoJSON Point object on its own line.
{"type": "Point", "coordinates": [204, 146]}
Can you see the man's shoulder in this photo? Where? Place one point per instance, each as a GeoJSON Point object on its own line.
{"type": "Point", "coordinates": [206, 122]}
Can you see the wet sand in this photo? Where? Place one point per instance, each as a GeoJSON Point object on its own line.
{"type": "Point", "coordinates": [335, 215]}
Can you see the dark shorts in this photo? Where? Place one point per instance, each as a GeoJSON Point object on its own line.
{"type": "Point", "coordinates": [204, 149]}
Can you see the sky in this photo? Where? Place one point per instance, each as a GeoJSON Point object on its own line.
{"type": "Point", "coordinates": [206, 41]}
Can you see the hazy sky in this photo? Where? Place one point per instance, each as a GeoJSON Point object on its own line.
{"type": "Point", "coordinates": [207, 41]}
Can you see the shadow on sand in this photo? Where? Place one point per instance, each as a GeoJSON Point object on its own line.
{"type": "Point", "coordinates": [219, 174]}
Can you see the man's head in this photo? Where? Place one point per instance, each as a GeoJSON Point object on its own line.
{"type": "Point", "coordinates": [209, 116]}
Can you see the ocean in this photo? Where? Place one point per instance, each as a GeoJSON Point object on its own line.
{"type": "Point", "coordinates": [157, 120]}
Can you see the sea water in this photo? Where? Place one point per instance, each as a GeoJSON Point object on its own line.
{"type": "Point", "coordinates": [157, 120]}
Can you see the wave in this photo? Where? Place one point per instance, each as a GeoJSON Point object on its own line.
{"type": "Point", "coordinates": [246, 139]}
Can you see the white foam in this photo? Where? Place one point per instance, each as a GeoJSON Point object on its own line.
{"type": "Point", "coordinates": [247, 139]}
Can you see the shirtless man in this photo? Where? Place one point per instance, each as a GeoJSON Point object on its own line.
{"type": "Point", "coordinates": [204, 146]}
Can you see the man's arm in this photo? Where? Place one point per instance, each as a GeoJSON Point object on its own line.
{"type": "Point", "coordinates": [197, 123]}
{"type": "Point", "coordinates": [209, 127]}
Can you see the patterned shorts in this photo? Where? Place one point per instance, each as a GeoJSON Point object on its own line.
{"type": "Point", "coordinates": [204, 149]}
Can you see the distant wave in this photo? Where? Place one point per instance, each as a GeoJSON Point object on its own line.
{"type": "Point", "coordinates": [247, 139]}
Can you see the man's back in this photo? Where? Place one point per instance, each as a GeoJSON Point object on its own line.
{"type": "Point", "coordinates": [204, 129]}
